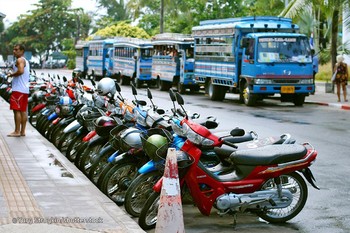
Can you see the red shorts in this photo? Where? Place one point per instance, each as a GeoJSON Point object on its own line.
{"type": "Point", "coordinates": [19, 101]}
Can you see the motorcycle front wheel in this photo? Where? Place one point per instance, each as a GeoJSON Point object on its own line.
{"type": "Point", "coordinates": [297, 186]}
{"type": "Point", "coordinates": [118, 179]}
{"type": "Point", "coordinates": [89, 153]}
{"type": "Point", "coordinates": [33, 117]}
{"type": "Point", "coordinates": [139, 191]}
{"type": "Point", "coordinates": [100, 163]}
{"type": "Point", "coordinates": [72, 147]}
{"type": "Point", "coordinates": [148, 215]}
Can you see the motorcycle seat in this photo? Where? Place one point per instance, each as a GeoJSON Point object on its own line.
{"type": "Point", "coordinates": [270, 154]}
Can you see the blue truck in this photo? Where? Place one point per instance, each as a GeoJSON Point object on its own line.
{"type": "Point", "coordinates": [172, 62]}
{"type": "Point", "coordinates": [100, 58]}
{"type": "Point", "coordinates": [82, 51]}
{"type": "Point", "coordinates": [255, 57]}
{"type": "Point", "coordinates": [132, 61]}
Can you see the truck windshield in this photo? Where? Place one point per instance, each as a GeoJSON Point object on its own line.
{"type": "Point", "coordinates": [283, 50]}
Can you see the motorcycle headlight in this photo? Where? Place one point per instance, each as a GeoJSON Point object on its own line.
{"type": "Point", "coordinates": [139, 118]}
{"type": "Point", "coordinates": [195, 137]}
{"type": "Point", "coordinates": [177, 128]}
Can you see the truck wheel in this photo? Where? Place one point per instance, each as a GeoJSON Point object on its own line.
{"type": "Point", "coordinates": [138, 83]}
{"type": "Point", "coordinates": [181, 88]}
{"type": "Point", "coordinates": [216, 93]}
{"type": "Point", "coordinates": [157, 83]}
{"type": "Point", "coordinates": [124, 80]}
{"type": "Point", "coordinates": [299, 100]}
{"type": "Point", "coordinates": [164, 86]}
{"type": "Point", "coordinates": [117, 77]}
{"type": "Point", "coordinates": [248, 98]}
{"type": "Point", "coordinates": [194, 88]}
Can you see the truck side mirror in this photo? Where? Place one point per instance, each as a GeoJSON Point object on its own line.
{"type": "Point", "coordinates": [245, 42]}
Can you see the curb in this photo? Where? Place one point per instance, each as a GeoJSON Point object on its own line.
{"type": "Point", "coordinates": [335, 105]}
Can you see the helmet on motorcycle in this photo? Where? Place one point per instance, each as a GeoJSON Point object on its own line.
{"type": "Point", "coordinates": [103, 125]}
{"type": "Point", "coordinates": [65, 100]}
{"type": "Point", "coordinates": [156, 147]}
{"type": "Point", "coordinates": [63, 110]}
{"type": "Point", "coordinates": [130, 138]}
{"type": "Point", "coordinates": [105, 86]}
{"type": "Point", "coordinates": [37, 96]}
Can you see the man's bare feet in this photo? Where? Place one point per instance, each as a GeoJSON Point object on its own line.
{"type": "Point", "coordinates": [13, 134]}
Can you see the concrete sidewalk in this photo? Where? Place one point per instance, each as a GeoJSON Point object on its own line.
{"type": "Point", "coordinates": [41, 191]}
{"type": "Point", "coordinates": [327, 99]}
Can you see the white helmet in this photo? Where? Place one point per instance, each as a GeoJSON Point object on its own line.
{"type": "Point", "coordinates": [105, 86]}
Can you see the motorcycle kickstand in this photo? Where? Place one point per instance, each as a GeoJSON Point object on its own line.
{"type": "Point", "coordinates": [234, 220]}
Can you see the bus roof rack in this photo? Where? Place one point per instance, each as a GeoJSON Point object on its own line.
{"type": "Point", "coordinates": [243, 19]}
{"type": "Point", "coordinates": [173, 36]}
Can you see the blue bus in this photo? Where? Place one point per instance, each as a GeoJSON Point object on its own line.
{"type": "Point", "coordinates": [82, 51]}
{"type": "Point", "coordinates": [256, 57]}
{"type": "Point", "coordinates": [132, 61]}
{"type": "Point", "coordinates": [99, 61]}
{"type": "Point", "coordinates": [172, 62]}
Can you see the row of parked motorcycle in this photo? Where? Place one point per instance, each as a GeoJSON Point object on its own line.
{"type": "Point", "coordinates": [121, 145]}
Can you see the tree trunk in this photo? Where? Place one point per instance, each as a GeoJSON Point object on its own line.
{"type": "Point", "coordinates": [335, 23]}
{"type": "Point", "coordinates": [161, 24]}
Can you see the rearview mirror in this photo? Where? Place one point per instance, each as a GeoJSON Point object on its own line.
{"type": "Point", "coordinates": [149, 94]}
{"type": "Point", "coordinates": [117, 87]}
{"type": "Point", "coordinates": [134, 91]}
{"type": "Point", "coordinates": [179, 99]}
{"type": "Point", "coordinates": [245, 42]}
{"type": "Point", "coordinates": [172, 95]}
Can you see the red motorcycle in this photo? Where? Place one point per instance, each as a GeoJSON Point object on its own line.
{"type": "Point", "coordinates": [265, 180]}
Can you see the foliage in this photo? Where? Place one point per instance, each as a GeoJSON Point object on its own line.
{"type": "Point", "coordinates": [69, 51]}
{"type": "Point", "coordinates": [264, 7]}
{"type": "Point", "coordinates": [121, 29]}
{"type": "Point", "coordinates": [322, 11]}
{"type": "Point", "coordinates": [116, 10]}
{"type": "Point", "coordinates": [43, 29]}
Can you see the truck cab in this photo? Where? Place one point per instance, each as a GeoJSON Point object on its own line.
{"type": "Point", "coordinates": [276, 64]}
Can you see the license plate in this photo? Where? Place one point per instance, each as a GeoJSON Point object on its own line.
{"type": "Point", "coordinates": [287, 89]}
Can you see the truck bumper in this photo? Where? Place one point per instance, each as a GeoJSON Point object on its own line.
{"type": "Point", "coordinates": [286, 89]}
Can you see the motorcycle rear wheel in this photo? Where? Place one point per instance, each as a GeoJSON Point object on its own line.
{"type": "Point", "coordinates": [148, 215]}
{"type": "Point", "coordinates": [297, 186]}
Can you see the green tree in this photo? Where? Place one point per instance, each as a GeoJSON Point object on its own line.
{"type": "Point", "coordinates": [329, 11]}
{"type": "Point", "coordinates": [42, 30]}
{"type": "Point", "coordinates": [264, 7]}
{"type": "Point", "coordinates": [121, 29]}
{"type": "Point", "coordinates": [116, 11]}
